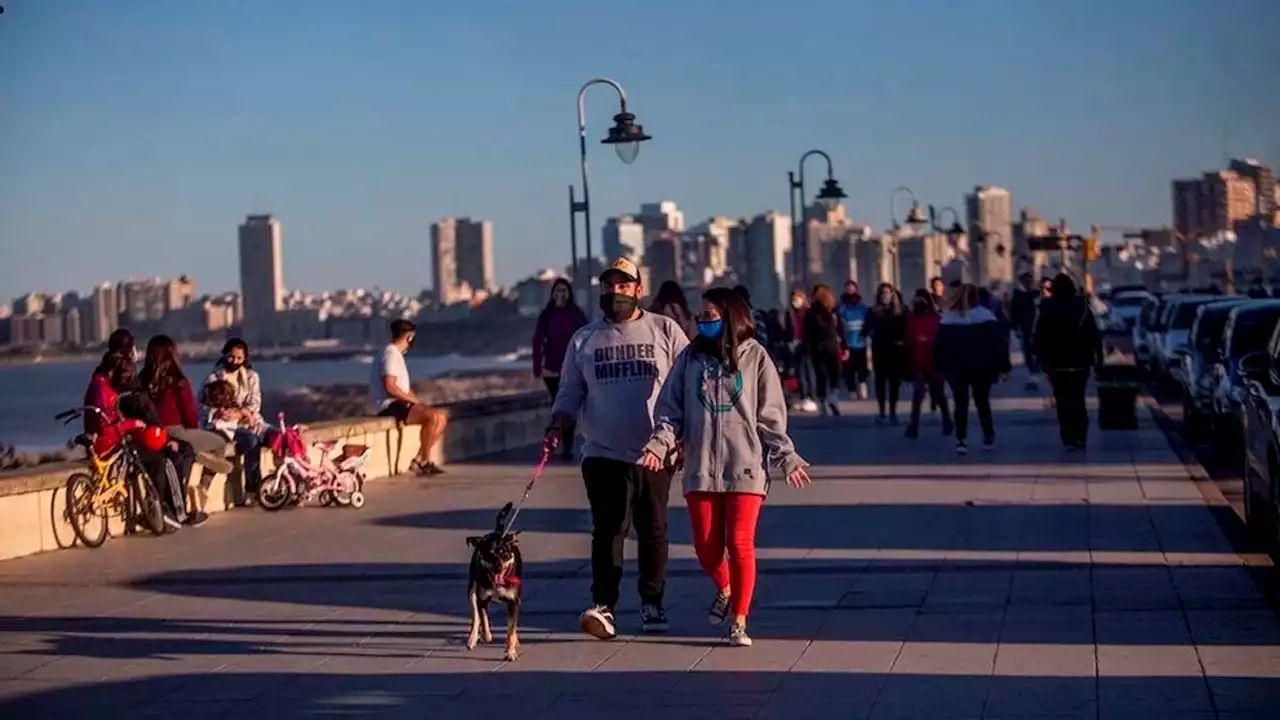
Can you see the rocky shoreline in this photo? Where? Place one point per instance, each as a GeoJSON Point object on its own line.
{"type": "Point", "coordinates": [334, 402]}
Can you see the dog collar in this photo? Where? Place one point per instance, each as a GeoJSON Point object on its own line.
{"type": "Point", "coordinates": [503, 580]}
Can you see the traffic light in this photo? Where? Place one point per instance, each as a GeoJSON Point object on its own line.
{"type": "Point", "coordinates": [1091, 253]}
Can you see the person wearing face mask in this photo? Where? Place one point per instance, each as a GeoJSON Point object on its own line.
{"type": "Point", "coordinates": [557, 323]}
{"type": "Point", "coordinates": [610, 380]}
{"type": "Point", "coordinates": [235, 369]}
{"type": "Point", "coordinates": [723, 402]}
{"type": "Point", "coordinates": [887, 327]}
{"type": "Point", "coordinates": [391, 395]}
{"type": "Point", "coordinates": [853, 316]}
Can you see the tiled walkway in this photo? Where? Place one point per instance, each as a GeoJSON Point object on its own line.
{"type": "Point", "coordinates": [905, 583]}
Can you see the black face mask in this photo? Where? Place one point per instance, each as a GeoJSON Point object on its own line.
{"type": "Point", "coordinates": [231, 366]}
{"type": "Point", "coordinates": [617, 308]}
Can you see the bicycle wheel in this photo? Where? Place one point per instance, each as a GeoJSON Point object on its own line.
{"type": "Point", "coordinates": [145, 504]}
{"type": "Point", "coordinates": [275, 492]}
{"type": "Point", "coordinates": [81, 490]}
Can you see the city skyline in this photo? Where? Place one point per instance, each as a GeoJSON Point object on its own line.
{"type": "Point", "coordinates": [141, 132]}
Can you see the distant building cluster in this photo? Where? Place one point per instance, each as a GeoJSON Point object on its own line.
{"type": "Point", "coordinates": [1224, 229]}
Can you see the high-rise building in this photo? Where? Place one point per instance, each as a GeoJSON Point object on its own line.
{"type": "Point", "coordinates": [462, 258]}
{"type": "Point", "coordinates": [104, 314]}
{"type": "Point", "coordinates": [72, 328]}
{"type": "Point", "coordinates": [1263, 178]}
{"type": "Point", "coordinates": [261, 275]}
{"type": "Point", "coordinates": [179, 292]}
{"type": "Point", "coordinates": [1230, 199]}
{"type": "Point", "coordinates": [1187, 211]}
{"type": "Point", "coordinates": [663, 258]}
{"type": "Point", "coordinates": [623, 236]}
{"type": "Point", "coordinates": [766, 243]}
{"type": "Point", "coordinates": [664, 215]}
{"type": "Point", "coordinates": [1030, 224]}
{"type": "Point", "coordinates": [989, 213]}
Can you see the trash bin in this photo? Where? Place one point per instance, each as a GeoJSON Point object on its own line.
{"type": "Point", "coordinates": [1118, 387]}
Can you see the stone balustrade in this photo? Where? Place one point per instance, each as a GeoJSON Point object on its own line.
{"type": "Point", "coordinates": [33, 500]}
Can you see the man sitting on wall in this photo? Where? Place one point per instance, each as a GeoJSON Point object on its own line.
{"type": "Point", "coordinates": [392, 395]}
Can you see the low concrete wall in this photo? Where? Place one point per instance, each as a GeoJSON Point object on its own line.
{"type": "Point", "coordinates": [33, 501]}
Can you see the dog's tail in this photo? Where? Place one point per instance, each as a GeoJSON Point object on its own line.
{"type": "Point", "coordinates": [503, 514]}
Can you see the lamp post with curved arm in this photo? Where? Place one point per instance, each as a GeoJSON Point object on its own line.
{"type": "Point", "coordinates": [625, 136]}
{"type": "Point", "coordinates": [830, 195]}
{"type": "Point", "coordinates": [915, 216]}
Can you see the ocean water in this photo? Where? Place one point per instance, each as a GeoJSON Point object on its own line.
{"type": "Point", "coordinates": [30, 395]}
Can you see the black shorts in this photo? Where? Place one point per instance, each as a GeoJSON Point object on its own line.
{"type": "Point", "coordinates": [398, 409]}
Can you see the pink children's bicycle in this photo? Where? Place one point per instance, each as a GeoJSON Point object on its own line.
{"type": "Point", "coordinates": [336, 479]}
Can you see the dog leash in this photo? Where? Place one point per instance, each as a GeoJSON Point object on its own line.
{"type": "Point", "coordinates": [537, 473]}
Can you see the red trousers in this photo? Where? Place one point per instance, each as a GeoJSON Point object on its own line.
{"type": "Point", "coordinates": [727, 521]}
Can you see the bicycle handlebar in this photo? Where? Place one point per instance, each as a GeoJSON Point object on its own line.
{"type": "Point", "coordinates": [68, 415]}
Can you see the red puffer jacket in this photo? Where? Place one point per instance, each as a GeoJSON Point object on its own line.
{"type": "Point", "coordinates": [922, 333]}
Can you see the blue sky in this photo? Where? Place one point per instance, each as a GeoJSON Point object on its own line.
{"type": "Point", "coordinates": [136, 134]}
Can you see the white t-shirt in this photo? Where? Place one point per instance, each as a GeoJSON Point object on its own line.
{"type": "Point", "coordinates": [389, 362]}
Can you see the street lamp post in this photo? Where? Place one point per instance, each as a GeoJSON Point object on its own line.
{"type": "Point", "coordinates": [625, 136]}
{"type": "Point", "coordinates": [915, 216]}
{"type": "Point", "coordinates": [952, 231]}
{"type": "Point", "coordinates": [830, 195]}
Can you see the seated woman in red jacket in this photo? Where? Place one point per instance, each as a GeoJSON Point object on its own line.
{"type": "Point", "coordinates": [169, 391]}
{"type": "Point", "coordinates": [922, 333]}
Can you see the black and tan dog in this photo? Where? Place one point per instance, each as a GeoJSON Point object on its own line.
{"type": "Point", "coordinates": [495, 575]}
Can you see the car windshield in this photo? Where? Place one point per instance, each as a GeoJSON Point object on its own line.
{"type": "Point", "coordinates": [1184, 316]}
{"type": "Point", "coordinates": [1129, 300]}
{"type": "Point", "coordinates": [1209, 327]}
{"type": "Point", "coordinates": [1252, 331]}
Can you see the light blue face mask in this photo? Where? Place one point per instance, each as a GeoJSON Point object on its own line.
{"type": "Point", "coordinates": [710, 329]}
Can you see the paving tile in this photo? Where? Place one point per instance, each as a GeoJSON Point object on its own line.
{"type": "Point", "coordinates": [1148, 661]}
{"type": "Point", "coordinates": [1048, 660]}
{"type": "Point", "coordinates": [1142, 627]}
{"type": "Point", "coordinates": [1041, 696]}
{"type": "Point", "coordinates": [933, 658]}
{"type": "Point", "coordinates": [1121, 697]}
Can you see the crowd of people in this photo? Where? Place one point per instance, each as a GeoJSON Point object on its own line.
{"type": "Point", "coordinates": [666, 390]}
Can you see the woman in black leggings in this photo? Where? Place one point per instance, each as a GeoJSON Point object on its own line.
{"type": "Point", "coordinates": [822, 337]}
{"type": "Point", "coordinates": [972, 355]}
{"type": "Point", "coordinates": [887, 327]}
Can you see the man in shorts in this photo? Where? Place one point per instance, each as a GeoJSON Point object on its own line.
{"type": "Point", "coordinates": [391, 395]}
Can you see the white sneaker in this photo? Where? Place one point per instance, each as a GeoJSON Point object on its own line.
{"type": "Point", "coordinates": [598, 623]}
{"type": "Point", "coordinates": [862, 391]}
{"type": "Point", "coordinates": [738, 636]}
{"type": "Point", "coordinates": [809, 405]}
{"type": "Point", "coordinates": [962, 448]}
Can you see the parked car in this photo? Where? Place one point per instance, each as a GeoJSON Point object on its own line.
{"type": "Point", "coordinates": [1123, 308]}
{"type": "Point", "coordinates": [1143, 331]}
{"type": "Point", "coordinates": [1203, 349]}
{"type": "Point", "coordinates": [1248, 330]}
{"type": "Point", "coordinates": [1261, 371]}
{"type": "Point", "coordinates": [1175, 332]}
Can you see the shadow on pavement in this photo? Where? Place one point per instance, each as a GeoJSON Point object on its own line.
{"type": "Point", "coordinates": [716, 691]}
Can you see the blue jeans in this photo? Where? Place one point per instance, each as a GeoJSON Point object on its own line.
{"type": "Point", "coordinates": [1028, 357]}
{"type": "Point", "coordinates": [249, 446]}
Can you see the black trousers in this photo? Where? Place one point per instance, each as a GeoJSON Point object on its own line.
{"type": "Point", "coordinates": [826, 373]}
{"type": "Point", "coordinates": [937, 393]}
{"type": "Point", "coordinates": [888, 383]}
{"type": "Point", "coordinates": [566, 443]}
{"type": "Point", "coordinates": [1068, 395]}
{"type": "Point", "coordinates": [855, 369]}
{"type": "Point", "coordinates": [621, 493]}
{"type": "Point", "coordinates": [980, 391]}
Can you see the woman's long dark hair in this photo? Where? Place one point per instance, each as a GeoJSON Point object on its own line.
{"type": "Point", "coordinates": [118, 367]}
{"type": "Point", "coordinates": [544, 317]}
{"type": "Point", "coordinates": [121, 340]}
{"type": "Point", "coordinates": [895, 298]}
{"type": "Point", "coordinates": [738, 327]}
{"type": "Point", "coordinates": [232, 344]}
{"type": "Point", "coordinates": [670, 293]}
{"type": "Point", "coordinates": [161, 371]}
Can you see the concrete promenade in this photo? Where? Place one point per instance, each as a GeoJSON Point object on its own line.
{"type": "Point", "coordinates": [905, 583]}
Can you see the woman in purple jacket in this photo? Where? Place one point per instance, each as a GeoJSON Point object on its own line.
{"type": "Point", "coordinates": [559, 320]}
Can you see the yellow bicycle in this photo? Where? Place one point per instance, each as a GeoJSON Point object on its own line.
{"type": "Point", "coordinates": [116, 485]}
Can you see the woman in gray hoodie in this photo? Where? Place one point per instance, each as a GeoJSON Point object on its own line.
{"type": "Point", "coordinates": [723, 401]}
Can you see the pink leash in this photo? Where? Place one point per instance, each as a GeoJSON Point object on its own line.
{"type": "Point", "coordinates": [537, 473]}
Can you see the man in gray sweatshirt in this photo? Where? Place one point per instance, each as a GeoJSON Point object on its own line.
{"type": "Point", "coordinates": [611, 377]}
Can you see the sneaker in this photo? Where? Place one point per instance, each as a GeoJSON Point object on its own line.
{"type": "Point", "coordinates": [425, 467]}
{"type": "Point", "coordinates": [834, 409]}
{"type": "Point", "coordinates": [719, 610]}
{"type": "Point", "coordinates": [653, 619]}
{"type": "Point", "coordinates": [598, 623]}
{"type": "Point", "coordinates": [809, 405]}
{"type": "Point", "coordinates": [881, 419]}
{"type": "Point", "coordinates": [862, 391]}
{"type": "Point", "coordinates": [738, 636]}
{"type": "Point", "coordinates": [171, 524]}
{"type": "Point", "coordinates": [913, 432]}
{"type": "Point", "coordinates": [962, 448]}
{"type": "Point", "coordinates": [196, 519]}
{"type": "Point", "coordinates": [989, 441]}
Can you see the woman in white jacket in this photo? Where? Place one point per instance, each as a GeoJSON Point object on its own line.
{"type": "Point", "coordinates": [246, 413]}
{"type": "Point", "coordinates": [723, 403]}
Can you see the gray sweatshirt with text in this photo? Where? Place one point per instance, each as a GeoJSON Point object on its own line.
{"type": "Point", "coordinates": [733, 425]}
{"type": "Point", "coordinates": [611, 376]}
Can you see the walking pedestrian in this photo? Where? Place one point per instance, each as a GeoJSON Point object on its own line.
{"type": "Point", "coordinates": [724, 402]}
{"type": "Point", "coordinates": [971, 355]}
{"type": "Point", "coordinates": [799, 361]}
{"type": "Point", "coordinates": [1022, 313]}
{"type": "Point", "coordinates": [887, 327]}
{"type": "Point", "coordinates": [853, 316]}
{"type": "Point", "coordinates": [1068, 343]}
{"type": "Point", "coordinates": [611, 376]}
{"type": "Point", "coordinates": [823, 341]}
{"type": "Point", "coordinates": [938, 293]}
{"type": "Point", "coordinates": [671, 302]}
{"type": "Point", "coordinates": [557, 323]}
{"type": "Point", "coordinates": [922, 335]}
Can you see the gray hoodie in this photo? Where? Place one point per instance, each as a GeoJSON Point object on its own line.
{"type": "Point", "coordinates": [733, 425]}
{"type": "Point", "coordinates": [612, 374]}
